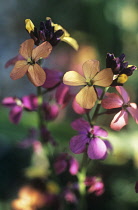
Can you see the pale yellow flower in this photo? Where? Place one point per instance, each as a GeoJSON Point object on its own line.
{"type": "Point", "coordinates": [87, 96]}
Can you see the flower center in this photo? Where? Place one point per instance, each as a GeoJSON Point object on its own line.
{"type": "Point", "coordinates": [30, 61]}
{"type": "Point", "coordinates": [89, 82]}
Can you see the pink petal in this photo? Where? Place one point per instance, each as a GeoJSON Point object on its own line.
{"type": "Point", "coordinates": [133, 110]}
{"type": "Point", "coordinates": [123, 93]}
{"type": "Point", "coordinates": [78, 109]}
{"type": "Point", "coordinates": [119, 120]}
{"type": "Point", "coordinates": [98, 131]}
{"type": "Point", "coordinates": [96, 149]}
{"type": "Point", "coordinates": [78, 143]}
{"type": "Point", "coordinates": [9, 102]}
{"type": "Point", "coordinates": [74, 166]}
{"type": "Point", "coordinates": [15, 114]}
{"type": "Point", "coordinates": [111, 101]}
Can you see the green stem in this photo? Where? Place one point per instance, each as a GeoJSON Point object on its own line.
{"type": "Point", "coordinates": [40, 111]}
{"type": "Point", "coordinates": [96, 112]}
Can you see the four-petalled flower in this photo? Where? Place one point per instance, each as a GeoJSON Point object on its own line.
{"type": "Point", "coordinates": [87, 97]}
{"type": "Point", "coordinates": [29, 66]}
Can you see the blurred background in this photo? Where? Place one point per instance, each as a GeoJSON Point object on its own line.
{"type": "Point", "coordinates": [99, 26]}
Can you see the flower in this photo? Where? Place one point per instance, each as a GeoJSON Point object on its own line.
{"type": "Point", "coordinates": [122, 103]}
{"type": "Point", "coordinates": [64, 161]}
{"type": "Point", "coordinates": [17, 106]}
{"type": "Point", "coordinates": [29, 66]}
{"type": "Point", "coordinates": [89, 139]}
{"type": "Point", "coordinates": [95, 185]}
{"type": "Point", "coordinates": [87, 96]}
{"type": "Point", "coordinates": [51, 111]}
{"type": "Point", "coordinates": [120, 68]}
{"type": "Point", "coordinates": [48, 31]}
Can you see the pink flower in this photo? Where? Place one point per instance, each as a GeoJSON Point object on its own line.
{"type": "Point", "coordinates": [114, 101]}
{"type": "Point", "coordinates": [95, 185]}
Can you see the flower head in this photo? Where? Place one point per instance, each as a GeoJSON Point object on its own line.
{"type": "Point", "coordinates": [95, 185]}
{"type": "Point", "coordinates": [29, 66]}
{"type": "Point", "coordinates": [48, 31]}
{"type": "Point", "coordinates": [87, 97]}
{"type": "Point", "coordinates": [120, 68]}
{"type": "Point", "coordinates": [89, 139]}
{"type": "Point", "coordinates": [120, 102]}
{"type": "Point", "coordinates": [17, 106]}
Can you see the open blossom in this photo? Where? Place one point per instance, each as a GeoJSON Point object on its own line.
{"type": "Point", "coordinates": [17, 106]}
{"type": "Point", "coordinates": [122, 103]}
{"type": "Point", "coordinates": [87, 96]}
{"type": "Point", "coordinates": [89, 139]}
{"type": "Point", "coordinates": [29, 66]}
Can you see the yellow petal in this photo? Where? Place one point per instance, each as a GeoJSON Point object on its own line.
{"type": "Point", "coordinates": [73, 78]}
{"type": "Point", "coordinates": [87, 97]}
{"type": "Point", "coordinates": [72, 42]}
{"type": "Point", "coordinates": [104, 78]}
{"type": "Point", "coordinates": [26, 48]}
{"type": "Point", "coordinates": [36, 75]}
{"type": "Point", "coordinates": [42, 51]}
{"type": "Point", "coordinates": [29, 25]}
{"type": "Point", "coordinates": [19, 70]}
{"type": "Point", "coordinates": [90, 68]}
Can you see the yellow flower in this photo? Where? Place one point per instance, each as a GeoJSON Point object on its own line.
{"type": "Point", "coordinates": [66, 36]}
{"type": "Point", "coordinates": [29, 65]}
{"type": "Point", "coordinates": [87, 96]}
{"type": "Point", "coordinates": [29, 25]}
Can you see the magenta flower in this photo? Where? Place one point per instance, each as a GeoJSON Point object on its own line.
{"type": "Point", "coordinates": [51, 111]}
{"type": "Point", "coordinates": [17, 106]}
{"type": "Point", "coordinates": [89, 136]}
{"type": "Point", "coordinates": [65, 161]}
{"type": "Point", "coordinates": [95, 185]}
{"type": "Point", "coordinates": [122, 102]}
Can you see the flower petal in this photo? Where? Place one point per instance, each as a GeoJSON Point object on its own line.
{"type": "Point", "coordinates": [123, 93]}
{"type": "Point", "coordinates": [74, 166]}
{"type": "Point", "coordinates": [98, 131]}
{"type": "Point", "coordinates": [119, 120]}
{"type": "Point", "coordinates": [87, 97]}
{"type": "Point", "coordinates": [15, 114]}
{"type": "Point", "coordinates": [26, 48]}
{"type": "Point", "coordinates": [71, 41]}
{"type": "Point", "coordinates": [111, 101]}
{"type": "Point", "coordinates": [81, 125]}
{"type": "Point", "coordinates": [42, 51]}
{"type": "Point", "coordinates": [133, 110]}
{"type": "Point", "coordinates": [36, 75]}
{"type": "Point", "coordinates": [9, 102]}
{"type": "Point", "coordinates": [78, 143]}
{"type": "Point", "coordinates": [90, 68]}
{"type": "Point", "coordinates": [104, 78]}
{"type": "Point", "coordinates": [78, 109]}
{"type": "Point", "coordinates": [19, 70]}
{"type": "Point", "coordinates": [73, 78]}
{"type": "Point", "coordinates": [96, 149]}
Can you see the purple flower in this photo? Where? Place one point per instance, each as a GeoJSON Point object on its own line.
{"type": "Point", "coordinates": [95, 185]}
{"type": "Point", "coordinates": [65, 161]}
{"type": "Point", "coordinates": [17, 105]}
{"type": "Point", "coordinates": [51, 111]}
{"type": "Point", "coordinates": [13, 60]}
{"type": "Point", "coordinates": [89, 139]}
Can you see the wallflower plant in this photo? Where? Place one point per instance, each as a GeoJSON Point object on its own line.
{"type": "Point", "coordinates": [55, 90]}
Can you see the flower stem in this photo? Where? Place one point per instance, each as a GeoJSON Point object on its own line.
{"type": "Point", "coordinates": [96, 113]}
{"type": "Point", "coordinates": [40, 111]}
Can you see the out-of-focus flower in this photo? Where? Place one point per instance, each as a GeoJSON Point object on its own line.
{"type": "Point", "coordinates": [65, 161]}
{"type": "Point", "coordinates": [29, 199]}
{"type": "Point", "coordinates": [87, 96]}
{"type": "Point", "coordinates": [48, 31]}
{"type": "Point", "coordinates": [46, 136]}
{"type": "Point", "coordinates": [51, 111]}
{"type": "Point", "coordinates": [95, 185]}
{"type": "Point", "coordinates": [70, 196]}
{"type": "Point", "coordinates": [120, 103]}
{"type": "Point", "coordinates": [89, 139]}
{"type": "Point", "coordinates": [29, 66]}
{"type": "Point", "coordinates": [17, 106]}
{"type": "Point", "coordinates": [120, 68]}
